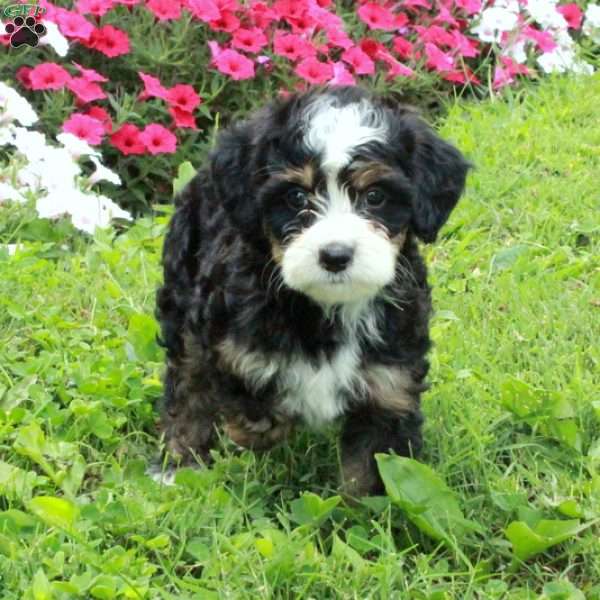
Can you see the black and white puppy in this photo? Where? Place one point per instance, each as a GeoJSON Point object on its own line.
{"type": "Point", "coordinates": [293, 287]}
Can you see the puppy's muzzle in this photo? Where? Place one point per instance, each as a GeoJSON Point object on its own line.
{"type": "Point", "coordinates": [336, 257]}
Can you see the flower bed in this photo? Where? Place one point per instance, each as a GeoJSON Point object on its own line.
{"type": "Point", "coordinates": [145, 82]}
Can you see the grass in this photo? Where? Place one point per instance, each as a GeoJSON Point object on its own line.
{"type": "Point", "coordinates": [513, 414]}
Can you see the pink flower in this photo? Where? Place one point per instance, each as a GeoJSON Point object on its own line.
{"type": "Point", "coordinates": [395, 69]}
{"type": "Point", "coordinates": [90, 74]}
{"type": "Point", "coordinates": [164, 10]}
{"type": "Point", "coordinates": [463, 45]}
{"type": "Point", "coordinates": [341, 75]}
{"type": "Point", "coordinates": [435, 34]}
{"type": "Point", "coordinates": [85, 91]}
{"type": "Point", "coordinates": [110, 41]}
{"type": "Point", "coordinates": [469, 6]}
{"type": "Point", "coordinates": [261, 14]}
{"type": "Point", "coordinates": [572, 14]}
{"type": "Point", "coordinates": [289, 9]}
{"type": "Point", "coordinates": [158, 139]}
{"type": "Point", "coordinates": [417, 4]}
{"type": "Point", "coordinates": [182, 118]}
{"type": "Point", "coordinates": [292, 47]}
{"type": "Point", "coordinates": [73, 25]}
{"type": "Point", "coordinates": [461, 76]}
{"type": "Point", "coordinates": [226, 22]}
{"type": "Point", "coordinates": [359, 60]}
{"type": "Point", "coordinates": [204, 10]}
{"type": "Point", "coordinates": [403, 47]}
{"type": "Point", "coordinates": [184, 97]}
{"type": "Point", "coordinates": [127, 140]}
{"type": "Point", "coordinates": [234, 64]}
{"type": "Point", "coordinates": [438, 60]}
{"type": "Point", "coordinates": [99, 113]}
{"type": "Point", "coordinates": [152, 87]}
{"type": "Point", "coordinates": [376, 16]}
{"type": "Point", "coordinates": [543, 39]}
{"type": "Point", "coordinates": [251, 40]}
{"type": "Point", "coordinates": [314, 71]}
{"type": "Point", "coordinates": [338, 37]}
{"type": "Point", "coordinates": [48, 76]}
{"type": "Point", "coordinates": [84, 127]}
{"type": "Point", "coordinates": [370, 47]}
{"type": "Point", "coordinates": [98, 8]}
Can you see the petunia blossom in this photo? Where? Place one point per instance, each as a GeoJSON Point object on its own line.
{"type": "Point", "coordinates": [85, 91]}
{"type": "Point", "coordinates": [250, 40]}
{"type": "Point", "coordinates": [234, 64]}
{"type": "Point", "coordinates": [164, 10]}
{"type": "Point", "coordinates": [48, 76]}
{"type": "Point", "coordinates": [110, 41]}
{"type": "Point", "coordinates": [359, 61]}
{"type": "Point", "coordinates": [85, 127]}
{"type": "Point", "coordinates": [127, 140]}
{"type": "Point", "coordinates": [158, 139]}
{"type": "Point", "coordinates": [314, 71]}
{"type": "Point", "coordinates": [184, 97]}
{"type": "Point", "coordinates": [377, 16]}
{"type": "Point", "coordinates": [152, 87]}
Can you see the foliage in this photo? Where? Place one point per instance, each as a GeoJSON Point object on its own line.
{"type": "Point", "coordinates": [148, 82]}
{"type": "Point", "coordinates": [516, 282]}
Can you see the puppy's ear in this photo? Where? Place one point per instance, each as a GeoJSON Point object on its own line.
{"type": "Point", "coordinates": [234, 169]}
{"type": "Point", "coordinates": [439, 172]}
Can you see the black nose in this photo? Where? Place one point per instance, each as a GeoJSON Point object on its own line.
{"type": "Point", "coordinates": [335, 257]}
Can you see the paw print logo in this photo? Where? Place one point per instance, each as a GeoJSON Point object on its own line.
{"type": "Point", "coordinates": [24, 32]}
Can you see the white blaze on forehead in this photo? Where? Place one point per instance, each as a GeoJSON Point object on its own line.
{"type": "Point", "coordinates": [336, 131]}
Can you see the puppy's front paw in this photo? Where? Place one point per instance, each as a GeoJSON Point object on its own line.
{"type": "Point", "coordinates": [257, 435]}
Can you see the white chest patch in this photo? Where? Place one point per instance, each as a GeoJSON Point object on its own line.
{"type": "Point", "coordinates": [319, 392]}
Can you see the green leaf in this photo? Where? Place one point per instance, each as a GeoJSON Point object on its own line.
{"type": "Point", "coordinates": [424, 497]}
{"type": "Point", "coordinates": [562, 590]}
{"type": "Point", "coordinates": [141, 334]}
{"type": "Point", "coordinates": [185, 173]}
{"type": "Point", "coordinates": [40, 586]}
{"type": "Point", "coordinates": [55, 512]}
{"type": "Point", "coordinates": [528, 542]}
{"type": "Point", "coordinates": [310, 509]}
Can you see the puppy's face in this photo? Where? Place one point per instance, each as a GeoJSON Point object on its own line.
{"type": "Point", "coordinates": [342, 177]}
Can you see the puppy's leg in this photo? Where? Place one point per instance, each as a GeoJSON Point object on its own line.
{"type": "Point", "coordinates": [371, 429]}
{"type": "Point", "coordinates": [188, 416]}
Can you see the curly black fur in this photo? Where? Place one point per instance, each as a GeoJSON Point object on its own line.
{"type": "Point", "coordinates": [219, 297]}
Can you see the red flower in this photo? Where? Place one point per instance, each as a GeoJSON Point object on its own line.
{"type": "Point", "coordinates": [370, 47]}
{"type": "Point", "coordinates": [234, 64]}
{"type": "Point", "coordinates": [73, 25]}
{"type": "Point", "coordinates": [250, 40]}
{"type": "Point", "coordinates": [85, 91]}
{"type": "Point", "coordinates": [127, 140]}
{"type": "Point", "coordinates": [184, 97]}
{"type": "Point", "coordinates": [572, 14]}
{"type": "Point", "coordinates": [314, 71]}
{"type": "Point", "coordinates": [377, 17]}
{"type": "Point", "coordinates": [48, 76]}
{"type": "Point", "coordinates": [226, 22]}
{"type": "Point", "coordinates": [164, 10]}
{"type": "Point", "coordinates": [292, 47]}
{"type": "Point", "coordinates": [182, 118]}
{"type": "Point", "coordinates": [23, 77]}
{"type": "Point", "coordinates": [438, 60]}
{"type": "Point", "coordinates": [205, 10]}
{"type": "Point", "coordinates": [110, 41]}
{"type": "Point", "coordinates": [99, 113]}
{"type": "Point", "coordinates": [90, 74]}
{"type": "Point", "coordinates": [85, 127]}
{"type": "Point", "coordinates": [158, 139]}
{"type": "Point", "coordinates": [98, 8]}
{"type": "Point", "coordinates": [152, 87]}
{"type": "Point", "coordinates": [359, 60]}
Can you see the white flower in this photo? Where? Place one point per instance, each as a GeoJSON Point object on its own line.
{"type": "Point", "coordinates": [544, 12]}
{"type": "Point", "coordinates": [13, 107]}
{"type": "Point", "coordinates": [517, 51]}
{"type": "Point", "coordinates": [58, 203]}
{"type": "Point", "coordinates": [76, 146]}
{"type": "Point", "coordinates": [494, 22]}
{"type": "Point", "coordinates": [12, 248]}
{"type": "Point", "coordinates": [7, 134]}
{"type": "Point", "coordinates": [103, 173]}
{"type": "Point", "coordinates": [31, 144]}
{"type": "Point", "coordinates": [591, 25]}
{"type": "Point", "coordinates": [55, 39]}
{"type": "Point", "coordinates": [55, 170]}
{"type": "Point", "coordinates": [7, 192]}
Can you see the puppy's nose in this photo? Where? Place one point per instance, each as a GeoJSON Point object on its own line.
{"type": "Point", "coordinates": [335, 257]}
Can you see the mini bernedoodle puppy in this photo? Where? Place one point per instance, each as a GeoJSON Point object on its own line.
{"type": "Point", "coordinates": [294, 292]}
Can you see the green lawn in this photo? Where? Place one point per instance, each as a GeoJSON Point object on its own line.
{"type": "Point", "coordinates": [513, 414]}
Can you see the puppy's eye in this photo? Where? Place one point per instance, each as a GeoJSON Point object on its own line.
{"type": "Point", "coordinates": [297, 198]}
{"type": "Point", "coordinates": [375, 198]}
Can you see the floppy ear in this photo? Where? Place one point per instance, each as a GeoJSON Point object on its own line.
{"type": "Point", "coordinates": [439, 174]}
{"type": "Point", "coordinates": [235, 170]}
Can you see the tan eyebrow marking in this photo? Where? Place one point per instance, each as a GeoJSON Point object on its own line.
{"type": "Point", "coordinates": [304, 176]}
{"type": "Point", "coordinates": [366, 174]}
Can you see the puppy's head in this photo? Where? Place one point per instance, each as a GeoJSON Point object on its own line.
{"type": "Point", "coordinates": [330, 182]}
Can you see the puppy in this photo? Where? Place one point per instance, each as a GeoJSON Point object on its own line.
{"type": "Point", "coordinates": [294, 292]}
